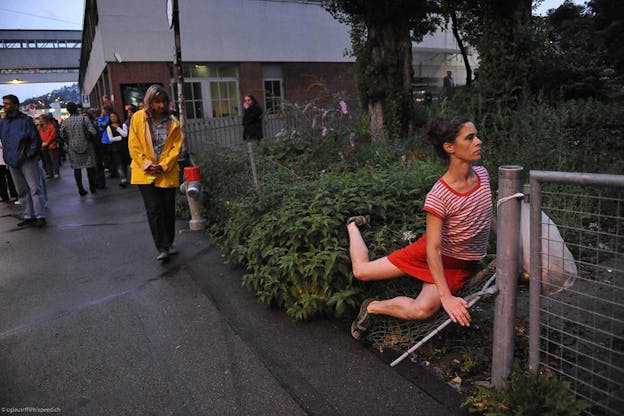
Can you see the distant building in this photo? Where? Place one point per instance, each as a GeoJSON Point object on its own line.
{"type": "Point", "coordinates": [273, 49]}
{"type": "Point", "coordinates": [437, 54]}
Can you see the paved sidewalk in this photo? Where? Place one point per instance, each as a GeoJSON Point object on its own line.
{"type": "Point", "coordinates": [91, 324]}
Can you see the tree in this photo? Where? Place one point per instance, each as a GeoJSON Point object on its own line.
{"type": "Point", "coordinates": [609, 21]}
{"type": "Point", "coordinates": [463, 17]}
{"type": "Point", "coordinates": [382, 32]}
{"type": "Point", "coordinates": [506, 47]}
{"type": "Point", "coordinates": [576, 58]}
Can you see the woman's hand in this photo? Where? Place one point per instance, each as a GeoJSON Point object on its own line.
{"type": "Point", "coordinates": [456, 309]}
{"type": "Point", "coordinates": [154, 169]}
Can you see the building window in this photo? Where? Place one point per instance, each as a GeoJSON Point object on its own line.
{"type": "Point", "coordinates": [223, 98]}
{"type": "Point", "coordinates": [210, 90]}
{"type": "Point", "coordinates": [272, 95]}
{"type": "Point", "coordinates": [193, 102]}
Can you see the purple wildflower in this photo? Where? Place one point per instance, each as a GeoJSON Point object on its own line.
{"type": "Point", "coordinates": [343, 107]}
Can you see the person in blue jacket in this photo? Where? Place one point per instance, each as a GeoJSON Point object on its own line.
{"type": "Point", "coordinates": [21, 145]}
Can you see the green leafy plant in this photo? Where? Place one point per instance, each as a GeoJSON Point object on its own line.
{"type": "Point", "coordinates": [291, 238]}
{"type": "Point", "coordinates": [527, 394]}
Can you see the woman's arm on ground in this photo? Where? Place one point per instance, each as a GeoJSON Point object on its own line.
{"type": "Point", "coordinates": [456, 307]}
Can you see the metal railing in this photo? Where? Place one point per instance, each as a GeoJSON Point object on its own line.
{"type": "Point", "coordinates": [228, 131]}
{"type": "Point", "coordinates": [577, 331]}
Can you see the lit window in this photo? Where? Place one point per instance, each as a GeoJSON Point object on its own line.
{"type": "Point", "coordinates": [223, 98]}
{"type": "Point", "coordinates": [210, 90]}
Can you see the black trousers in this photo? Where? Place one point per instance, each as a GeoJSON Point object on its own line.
{"type": "Point", "coordinates": [7, 187]}
{"type": "Point", "coordinates": [160, 208]}
{"type": "Point", "coordinates": [90, 176]}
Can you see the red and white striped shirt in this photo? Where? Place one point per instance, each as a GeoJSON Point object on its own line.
{"type": "Point", "coordinates": [466, 216]}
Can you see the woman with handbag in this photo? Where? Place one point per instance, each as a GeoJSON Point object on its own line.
{"type": "Point", "coordinates": [77, 132]}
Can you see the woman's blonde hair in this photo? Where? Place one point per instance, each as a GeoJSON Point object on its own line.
{"type": "Point", "coordinates": [156, 93]}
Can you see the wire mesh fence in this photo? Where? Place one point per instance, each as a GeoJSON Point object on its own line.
{"type": "Point", "coordinates": [581, 326]}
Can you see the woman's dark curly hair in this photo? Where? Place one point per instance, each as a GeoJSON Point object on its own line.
{"type": "Point", "coordinates": [441, 130]}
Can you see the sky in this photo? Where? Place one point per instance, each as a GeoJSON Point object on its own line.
{"type": "Point", "coordinates": [68, 14]}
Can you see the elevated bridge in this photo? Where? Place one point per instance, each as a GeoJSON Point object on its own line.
{"type": "Point", "coordinates": [28, 56]}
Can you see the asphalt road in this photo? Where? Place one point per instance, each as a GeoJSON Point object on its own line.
{"type": "Point", "coordinates": [91, 324]}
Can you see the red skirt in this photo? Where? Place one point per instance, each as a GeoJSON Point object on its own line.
{"type": "Point", "coordinates": [412, 260]}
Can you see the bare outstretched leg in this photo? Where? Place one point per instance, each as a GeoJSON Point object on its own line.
{"type": "Point", "coordinates": [363, 267]}
{"type": "Point", "coordinates": [425, 305]}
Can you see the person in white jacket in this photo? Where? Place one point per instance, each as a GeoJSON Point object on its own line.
{"type": "Point", "coordinates": [118, 136]}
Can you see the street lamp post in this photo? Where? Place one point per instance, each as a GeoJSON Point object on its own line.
{"type": "Point", "coordinates": [191, 186]}
{"type": "Point", "coordinates": [173, 18]}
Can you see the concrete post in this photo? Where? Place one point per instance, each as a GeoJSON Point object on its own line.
{"type": "Point", "coordinates": [507, 246]}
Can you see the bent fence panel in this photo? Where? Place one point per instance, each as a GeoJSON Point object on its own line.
{"type": "Point", "coordinates": [577, 317]}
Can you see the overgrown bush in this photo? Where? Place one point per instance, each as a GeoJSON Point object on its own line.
{"type": "Point", "coordinates": [289, 234]}
{"type": "Point", "coordinates": [292, 241]}
{"type": "Point", "coordinates": [527, 394]}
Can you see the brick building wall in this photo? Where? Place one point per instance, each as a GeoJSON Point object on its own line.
{"type": "Point", "coordinates": [300, 76]}
{"type": "Point", "coordinates": [136, 73]}
{"type": "Point", "coordinates": [250, 80]}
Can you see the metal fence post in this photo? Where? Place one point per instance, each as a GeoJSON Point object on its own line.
{"type": "Point", "coordinates": [507, 244]}
{"type": "Point", "coordinates": [535, 273]}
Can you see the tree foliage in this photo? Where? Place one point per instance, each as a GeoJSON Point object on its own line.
{"type": "Point", "coordinates": [609, 25]}
{"type": "Point", "coordinates": [573, 59]}
{"type": "Point", "coordinates": [506, 48]}
{"type": "Point", "coordinates": [462, 16]}
{"type": "Point", "coordinates": [382, 34]}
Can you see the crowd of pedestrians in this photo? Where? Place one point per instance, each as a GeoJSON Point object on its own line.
{"type": "Point", "coordinates": [32, 151]}
{"type": "Point", "coordinates": [102, 146]}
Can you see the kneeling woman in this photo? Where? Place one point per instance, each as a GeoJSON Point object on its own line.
{"type": "Point", "coordinates": [459, 215]}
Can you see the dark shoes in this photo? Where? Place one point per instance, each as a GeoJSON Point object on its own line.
{"type": "Point", "coordinates": [364, 321]}
{"type": "Point", "coordinates": [359, 220]}
{"type": "Point", "coordinates": [25, 222]}
{"type": "Point", "coordinates": [163, 256]}
{"type": "Point", "coordinates": [35, 222]}
{"type": "Point", "coordinates": [40, 222]}
{"type": "Point", "coordinates": [82, 192]}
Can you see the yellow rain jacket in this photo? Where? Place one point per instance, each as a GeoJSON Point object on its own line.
{"type": "Point", "coordinates": [142, 153]}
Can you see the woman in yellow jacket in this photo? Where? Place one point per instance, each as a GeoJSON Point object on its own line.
{"type": "Point", "coordinates": [154, 142]}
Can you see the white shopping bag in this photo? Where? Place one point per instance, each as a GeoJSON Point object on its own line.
{"type": "Point", "coordinates": [558, 267]}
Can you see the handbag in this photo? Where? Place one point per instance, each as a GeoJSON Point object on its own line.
{"type": "Point", "coordinates": [107, 135]}
{"type": "Point", "coordinates": [89, 130]}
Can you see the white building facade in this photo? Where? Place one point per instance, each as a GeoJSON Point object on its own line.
{"type": "Point", "coordinates": [272, 49]}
